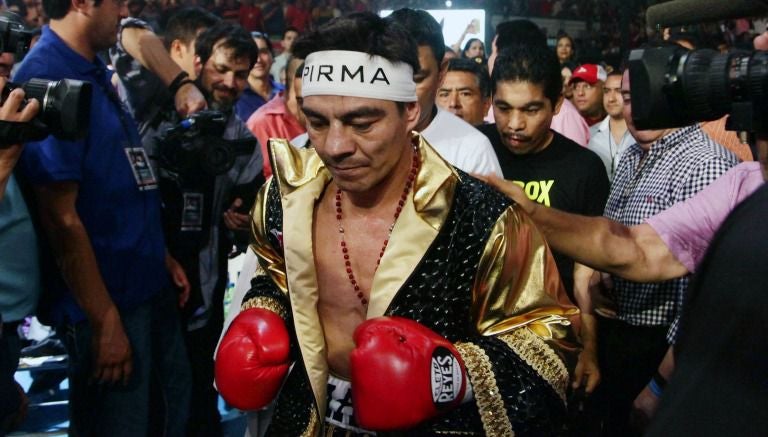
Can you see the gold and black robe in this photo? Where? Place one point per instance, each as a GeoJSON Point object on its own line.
{"type": "Point", "coordinates": [462, 259]}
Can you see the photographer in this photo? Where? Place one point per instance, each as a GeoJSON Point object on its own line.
{"type": "Point", "coordinates": [205, 202]}
{"type": "Point", "coordinates": [105, 264]}
{"type": "Point", "coordinates": [19, 269]}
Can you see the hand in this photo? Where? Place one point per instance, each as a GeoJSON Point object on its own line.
{"type": "Point", "coordinates": [403, 373]}
{"type": "Point", "coordinates": [643, 409]}
{"type": "Point", "coordinates": [587, 371]}
{"type": "Point", "coordinates": [9, 111]}
{"type": "Point", "coordinates": [511, 190]}
{"type": "Point", "coordinates": [471, 28]}
{"type": "Point", "coordinates": [761, 41]}
{"type": "Point", "coordinates": [253, 359]}
{"type": "Point", "coordinates": [234, 220]}
{"type": "Point", "coordinates": [189, 99]}
{"type": "Point", "coordinates": [179, 278]}
{"type": "Point", "coordinates": [112, 355]}
{"type": "Point", "coordinates": [600, 287]}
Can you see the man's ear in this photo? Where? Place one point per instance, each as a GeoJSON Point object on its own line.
{"type": "Point", "coordinates": [175, 49]}
{"type": "Point", "coordinates": [81, 5]}
{"type": "Point", "coordinates": [487, 105]}
{"type": "Point", "coordinates": [198, 66]}
{"type": "Point", "coordinates": [412, 112]}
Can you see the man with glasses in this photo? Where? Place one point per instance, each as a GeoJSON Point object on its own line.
{"type": "Point", "coordinates": [587, 82]}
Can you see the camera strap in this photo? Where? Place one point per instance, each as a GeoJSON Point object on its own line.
{"type": "Point", "coordinates": [132, 135]}
{"type": "Point", "coordinates": [134, 150]}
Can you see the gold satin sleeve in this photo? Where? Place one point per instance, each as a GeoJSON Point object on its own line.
{"type": "Point", "coordinates": [270, 260]}
{"type": "Point", "coordinates": [518, 286]}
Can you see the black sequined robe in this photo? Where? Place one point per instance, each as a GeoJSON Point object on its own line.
{"type": "Point", "coordinates": [462, 259]}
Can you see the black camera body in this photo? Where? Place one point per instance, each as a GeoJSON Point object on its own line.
{"type": "Point", "coordinates": [196, 143]}
{"type": "Point", "coordinates": [14, 38]}
{"type": "Point", "coordinates": [673, 87]}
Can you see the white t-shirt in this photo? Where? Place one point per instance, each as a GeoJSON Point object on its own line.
{"type": "Point", "coordinates": [462, 145]}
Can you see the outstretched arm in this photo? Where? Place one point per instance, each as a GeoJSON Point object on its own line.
{"type": "Point", "coordinates": [636, 253]}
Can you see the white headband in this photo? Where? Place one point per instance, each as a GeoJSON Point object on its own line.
{"type": "Point", "coordinates": [357, 74]}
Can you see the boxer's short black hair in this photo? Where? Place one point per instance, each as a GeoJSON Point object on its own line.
{"type": "Point", "coordinates": [361, 32]}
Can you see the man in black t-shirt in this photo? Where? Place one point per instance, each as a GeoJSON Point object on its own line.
{"type": "Point", "coordinates": [552, 169]}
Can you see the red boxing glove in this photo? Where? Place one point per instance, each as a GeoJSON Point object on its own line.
{"type": "Point", "coordinates": [403, 373]}
{"type": "Point", "coordinates": [253, 359]}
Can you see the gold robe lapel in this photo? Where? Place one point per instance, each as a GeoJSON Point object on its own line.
{"type": "Point", "coordinates": [303, 179]}
{"type": "Point", "coordinates": [416, 229]}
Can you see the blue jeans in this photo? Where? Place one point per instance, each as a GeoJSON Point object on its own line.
{"type": "Point", "coordinates": [157, 344]}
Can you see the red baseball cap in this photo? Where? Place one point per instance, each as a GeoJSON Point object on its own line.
{"type": "Point", "coordinates": [590, 73]}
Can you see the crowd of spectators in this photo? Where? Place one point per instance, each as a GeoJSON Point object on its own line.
{"type": "Point", "coordinates": [608, 31]}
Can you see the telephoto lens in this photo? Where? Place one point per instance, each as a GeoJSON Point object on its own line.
{"type": "Point", "coordinates": [673, 87]}
{"type": "Point", "coordinates": [65, 105]}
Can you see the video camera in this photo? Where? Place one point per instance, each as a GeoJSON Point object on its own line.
{"type": "Point", "coordinates": [64, 104]}
{"type": "Point", "coordinates": [674, 87]}
{"type": "Point", "coordinates": [196, 143]}
{"type": "Point", "coordinates": [14, 38]}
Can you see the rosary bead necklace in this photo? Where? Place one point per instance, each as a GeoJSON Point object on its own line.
{"type": "Point", "coordinates": [400, 204]}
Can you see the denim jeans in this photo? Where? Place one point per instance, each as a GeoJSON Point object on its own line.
{"type": "Point", "coordinates": [157, 344]}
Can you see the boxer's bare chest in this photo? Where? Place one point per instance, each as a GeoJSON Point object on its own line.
{"type": "Point", "coordinates": [346, 256]}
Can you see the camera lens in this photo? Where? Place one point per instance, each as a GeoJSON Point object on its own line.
{"type": "Point", "coordinates": [65, 105]}
{"type": "Point", "coordinates": [673, 87]}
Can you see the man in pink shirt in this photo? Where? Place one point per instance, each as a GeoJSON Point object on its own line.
{"type": "Point", "coordinates": [569, 123]}
{"type": "Point", "coordinates": [281, 117]}
{"type": "Point", "coordinates": [668, 245]}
